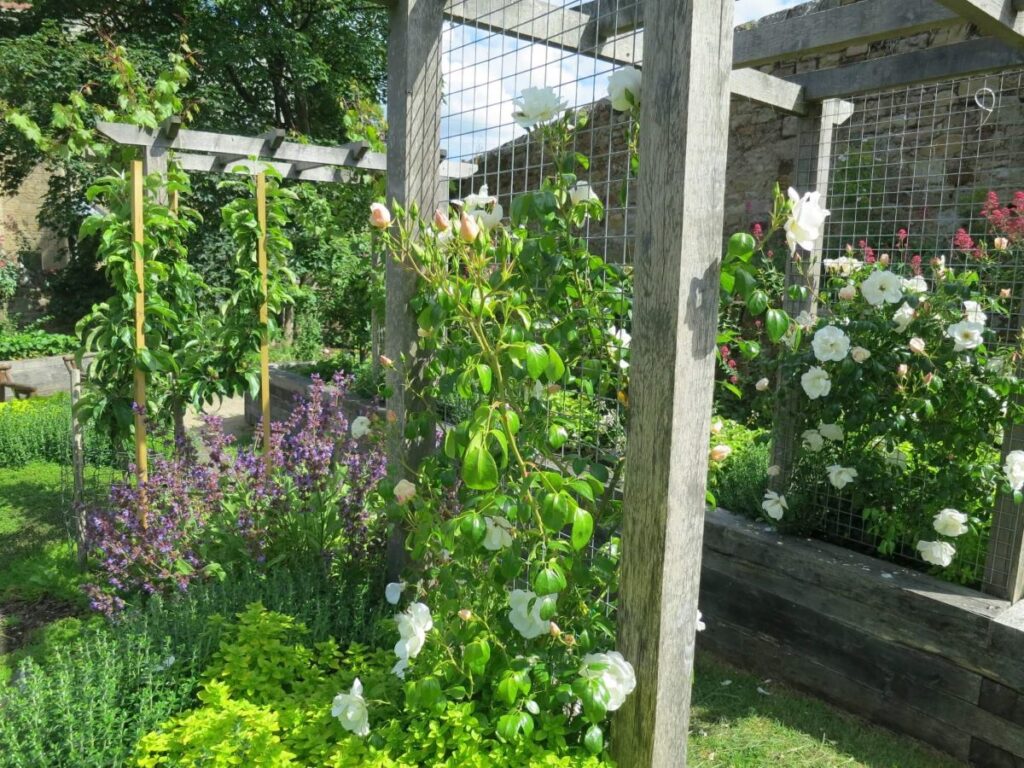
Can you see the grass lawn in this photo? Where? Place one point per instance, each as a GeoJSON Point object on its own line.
{"type": "Point", "coordinates": [736, 726]}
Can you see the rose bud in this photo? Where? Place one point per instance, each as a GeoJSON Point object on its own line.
{"type": "Point", "coordinates": [469, 229]}
{"type": "Point", "coordinates": [380, 216]}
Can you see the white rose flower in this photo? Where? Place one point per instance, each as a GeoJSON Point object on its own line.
{"type": "Point", "coordinates": [966, 335]}
{"type": "Point", "coordinates": [950, 522]}
{"type": "Point", "coordinates": [762, 385]}
{"type": "Point", "coordinates": [859, 354]}
{"type": "Point", "coordinates": [483, 207]}
{"type": "Point", "coordinates": [537, 105]}
{"type": "Point", "coordinates": [404, 491]}
{"type": "Point", "coordinates": [774, 470]}
{"type": "Point", "coordinates": [413, 626]}
{"type": "Point", "coordinates": [816, 383]}
{"type": "Point", "coordinates": [848, 292]}
{"type": "Point", "coordinates": [620, 345]}
{"type": "Point", "coordinates": [843, 266]}
{"type": "Point", "coordinates": [830, 344]}
{"type": "Point", "coordinates": [806, 219]}
{"type": "Point", "coordinates": [499, 533]}
{"type": "Point", "coordinates": [806, 320]}
{"type": "Point", "coordinates": [916, 284]}
{"type": "Point", "coordinates": [582, 193]}
{"type": "Point", "coordinates": [974, 313]}
{"type": "Point", "coordinates": [832, 432]}
{"type": "Point", "coordinates": [350, 709]}
{"type": "Point", "coordinates": [1013, 468]}
{"type": "Point", "coordinates": [840, 476]}
{"type": "Point", "coordinates": [774, 505]}
{"type": "Point", "coordinates": [896, 458]}
{"type": "Point", "coordinates": [903, 317]}
{"type": "Point", "coordinates": [393, 592]}
{"type": "Point", "coordinates": [614, 671]}
{"type": "Point", "coordinates": [916, 345]}
{"type": "Point", "coordinates": [812, 440]}
{"type": "Point", "coordinates": [624, 88]}
{"type": "Point", "coordinates": [720, 452]}
{"type": "Point", "coordinates": [360, 427]}
{"type": "Point", "coordinates": [525, 613]}
{"type": "Point", "coordinates": [936, 552]}
{"type": "Point", "coordinates": [882, 287]}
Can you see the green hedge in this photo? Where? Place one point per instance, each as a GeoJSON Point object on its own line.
{"type": "Point", "coordinates": [23, 345]}
{"type": "Point", "coordinates": [39, 429]}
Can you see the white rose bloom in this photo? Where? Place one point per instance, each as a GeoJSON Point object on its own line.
{"type": "Point", "coordinates": [916, 345]}
{"type": "Point", "coordinates": [404, 491]}
{"type": "Point", "coordinates": [483, 207]}
{"type": "Point", "coordinates": [774, 505]}
{"type": "Point", "coordinates": [620, 345]}
{"type": "Point", "coordinates": [774, 470]}
{"type": "Point", "coordinates": [499, 533]}
{"type": "Point", "coordinates": [936, 552]}
{"type": "Point", "coordinates": [882, 287]}
{"type": "Point", "coordinates": [974, 313]}
{"type": "Point", "coordinates": [859, 354]}
{"type": "Point", "coordinates": [812, 440]}
{"type": "Point", "coordinates": [360, 427]}
{"type": "Point", "coordinates": [966, 335]}
{"type": "Point", "coordinates": [350, 709]}
{"type": "Point", "coordinates": [832, 432]}
{"type": "Point", "coordinates": [393, 592]}
{"type": "Point", "coordinates": [762, 385]}
{"type": "Point", "coordinates": [806, 320]}
{"type": "Point", "coordinates": [840, 477]}
{"type": "Point", "coordinates": [950, 522]}
{"type": "Point", "coordinates": [830, 344]}
{"type": "Point", "coordinates": [582, 193]}
{"type": "Point", "coordinates": [413, 626]}
{"type": "Point", "coordinates": [916, 284]}
{"type": "Point", "coordinates": [623, 84]}
{"type": "Point", "coordinates": [614, 671]}
{"type": "Point", "coordinates": [896, 458]}
{"type": "Point", "coordinates": [806, 219]}
{"type": "Point", "coordinates": [816, 383]}
{"type": "Point", "coordinates": [903, 317]}
{"type": "Point", "coordinates": [1013, 468]}
{"type": "Point", "coordinates": [537, 105]}
{"type": "Point", "coordinates": [843, 266]}
{"type": "Point", "coordinates": [525, 614]}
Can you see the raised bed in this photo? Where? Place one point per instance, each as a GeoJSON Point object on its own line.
{"type": "Point", "coordinates": [285, 387]}
{"type": "Point", "coordinates": [934, 660]}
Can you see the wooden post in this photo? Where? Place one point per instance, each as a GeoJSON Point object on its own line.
{"type": "Point", "coordinates": [414, 97]}
{"type": "Point", "coordinates": [138, 240]}
{"type": "Point", "coordinates": [683, 143]}
{"type": "Point", "coordinates": [833, 113]}
{"type": "Point", "coordinates": [261, 257]}
{"type": "Point", "coordinates": [77, 461]}
{"type": "Point", "coordinates": [1004, 558]}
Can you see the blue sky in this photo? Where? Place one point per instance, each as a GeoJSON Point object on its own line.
{"type": "Point", "coordinates": [485, 71]}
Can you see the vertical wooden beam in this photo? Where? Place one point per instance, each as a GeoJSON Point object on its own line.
{"type": "Point", "coordinates": [414, 96]}
{"type": "Point", "coordinates": [261, 258]}
{"type": "Point", "coordinates": [832, 113]}
{"type": "Point", "coordinates": [138, 246]}
{"type": "Point", "coordinates": [683, 142]}
{"type": "Point", "coordinates": [1004, 558]}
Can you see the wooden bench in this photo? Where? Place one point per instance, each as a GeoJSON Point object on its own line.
{"type": "Point", "coordinates": [20, 390]}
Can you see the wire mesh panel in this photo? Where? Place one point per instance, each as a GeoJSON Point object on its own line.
{"type": "Point", "coordinates": [927, 178]}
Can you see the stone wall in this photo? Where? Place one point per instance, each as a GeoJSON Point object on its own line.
{"type": "Point", "coordinates": [19, 227]}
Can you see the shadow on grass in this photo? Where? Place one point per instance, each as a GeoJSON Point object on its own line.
{"type": "Point", "coordinates": [742, 721]}
{"type": "Point", "coordinates": [31, 512]}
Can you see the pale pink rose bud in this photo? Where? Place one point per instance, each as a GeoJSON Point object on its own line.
{"type": "Point", "coordinates": [469, 230]}
{"type": "Point", "coordinates": [404, 491]}
{"type": "Point", "coordinates": [380, 216]}
{"type": "Point", "coordinates": [1004, 293]}
{"type": "Point", "coordinates": [762, 385]}
{"type": "Point", "coordinates": [884, 259]}
{"type": "Point", "coordinates": [716, 426]}
{"type": "Point", "coordinates": [848, 292]}
{"type": "Point", "coordinates": [720, 452]}
{"type": "Point", "coordinates": [928, 378]}
{"type": "Point", "coordinates": [902, 370]}
{"type": "Point", "coordinates": [465, 614]}
{"type": "Point", "coordinates": [555, 630]}
{"type": "Point", "coordinates": [441, 221]}
{"type": "Point", "coordinates": [859, 354]}
{"type": "Point", "coordinates": [916, 345]}
{"type": "Point", "coordinates": [1001, 243]}
{"type": "Point", "coordinates": [392, 417]}
{"type": "Point", "coordinates": [386, 361]}
{"type": "Point", "coordinates": [774, 470]}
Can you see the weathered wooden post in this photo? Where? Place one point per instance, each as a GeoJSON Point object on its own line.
{"type": "Point", "coordinates": [261, 258]}
{"type": "Point", "coordinates": [138, 241]}
{"type": "Point", "coordinates": [414, 98]}
{"type": "Point", "coordinates": [683, 141]}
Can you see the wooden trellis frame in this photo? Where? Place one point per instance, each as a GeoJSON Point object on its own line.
{"type": "Point", "coordinates": [206, 152]}
{"type": "Point", "coordinates": [694, 61]}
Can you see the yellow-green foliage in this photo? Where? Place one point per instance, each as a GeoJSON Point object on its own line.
{"type": "Point", "coordinates": [266, 703]}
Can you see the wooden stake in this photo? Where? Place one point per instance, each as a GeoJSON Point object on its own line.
{"type": "Point", "coordinates": [261, 256]}
{"type": "Point", "coordinates": [138, 239]}
{"type": "Point", "coordinates": [683, 142]}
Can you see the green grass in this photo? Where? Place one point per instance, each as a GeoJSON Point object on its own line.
{"type": "Point", "coordinates": [736, 726]}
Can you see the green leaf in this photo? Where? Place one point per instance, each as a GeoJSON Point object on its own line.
{"type": "Point", "coordinates": [479, 470]}
{"type": "Point", "coordinates": [477, 654]}
{"type": "Point", "coordinates": [508, 688]}
{"type": "Point", "coordinates": [582, 528]}
{"type": "Point", "coordinates": [549, 580]}
{"type": "Point", "coordinates": [757, 303]}
{"type": "Point", "coordinates": [536, 360]}
{"type": "Point", "coordinates": [473, 527]}
{"type": "Point", "coordinates": [555, 368]}
{"type": "Point", "coordinates": [741, 246]}
{"type": "Point", "coordinates": [486, 377]}
{"type": "Point", "coordinates": [594, 740]}
{"type": "Point", "coordinates": [776, 323]}
{"type": "Point", "coordinates": [557, 435]}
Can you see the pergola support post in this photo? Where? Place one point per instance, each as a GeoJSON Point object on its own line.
{"type": "Point", "coordinates": [138, 248]}
{"type": "Point", "coordinates": [415, 93]}
{"type": "Point", "coordinates": [261, 259]}
{"type": "Point", "coordinates": [683, 142]}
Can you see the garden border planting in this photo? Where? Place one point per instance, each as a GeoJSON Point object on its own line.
{"type": "Point", "coordinates": [921, 656]}
{"type": "Point", "coordinates": [285, 386]}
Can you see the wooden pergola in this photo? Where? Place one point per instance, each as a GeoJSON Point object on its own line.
{"type": "Point", "coordinates": [693, 60]}
{"type": "Point", "coordinates": [206, 152]}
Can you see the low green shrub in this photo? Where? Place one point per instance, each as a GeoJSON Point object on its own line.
{"type": "Point", "coordinates": [737, 482]}
{"type": "Point", "coordinates": [22, 345]}
{"type": "Point", "coordinates": [39, 429]}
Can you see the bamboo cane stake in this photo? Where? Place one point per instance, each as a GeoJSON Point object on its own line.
{"type": "Point", "coordinates": [138, 236]}
{"type": "Point", "coordinates": [261, 255]}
